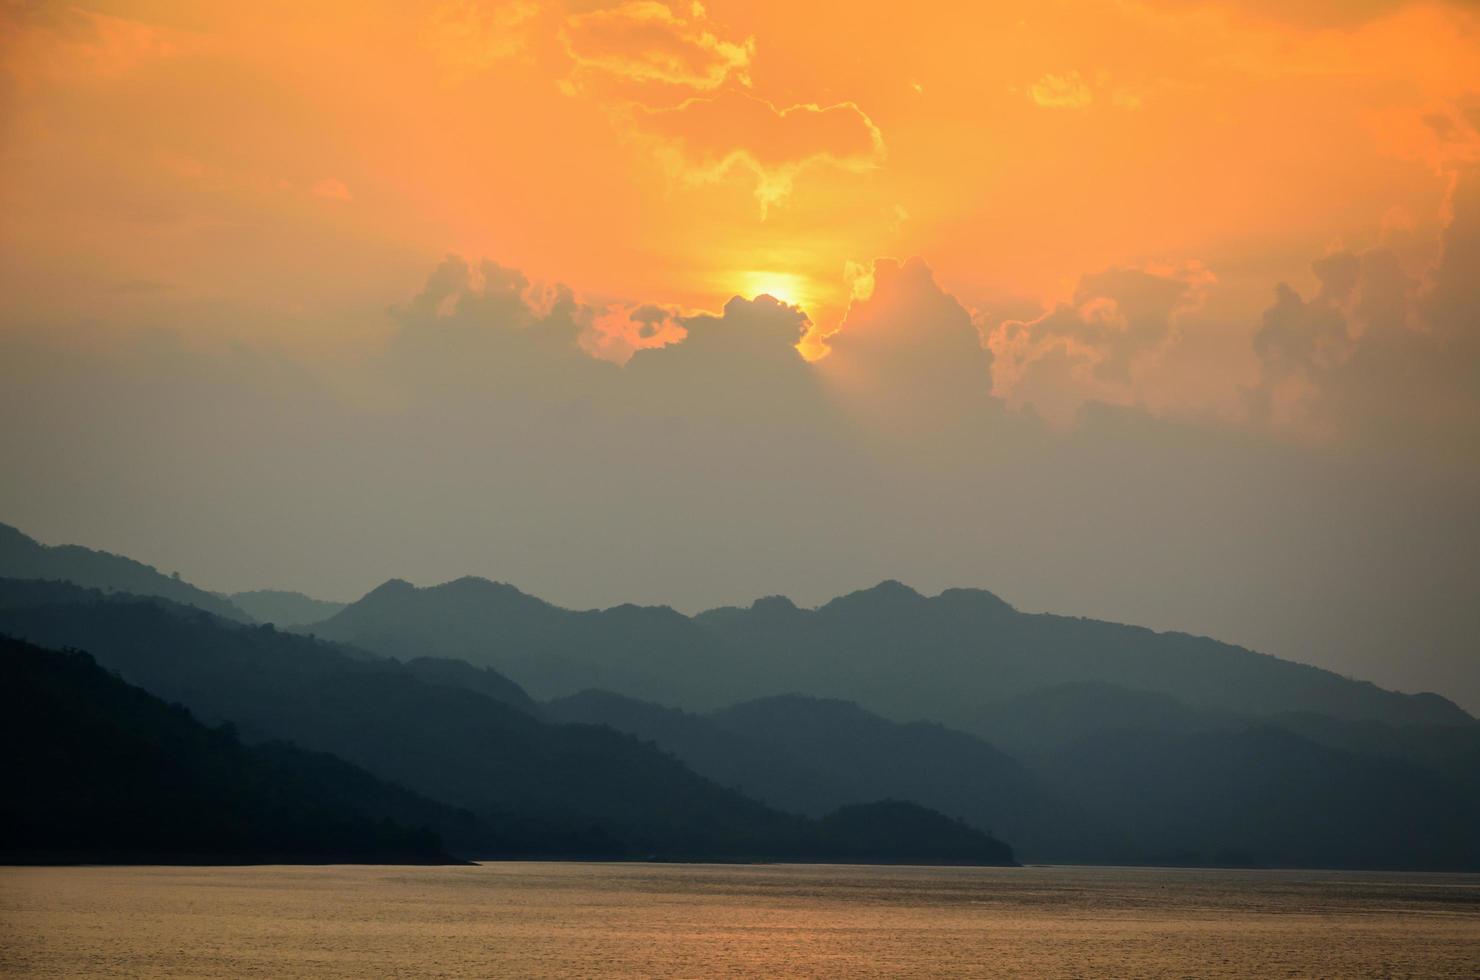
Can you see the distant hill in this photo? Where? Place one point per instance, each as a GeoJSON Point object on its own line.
{"type": "Point", "coordinates": [100, 771]}
{"type": "Point", "coordinates": [646, 651]}
{"type": "Point", "coordinates": [812, 755]}
{"type": "Point", "coordinates": [907, 656]}
{"type": "Point", "coordinates": [483, 680]}
{"type": "Point", "coordinates": [862, 756]}
{"type": "Point", "coordinates": [1035, 726]}
{"type": "Point", "coordinates": [889, 649]}
{"type": "Point", "coordinates": [576, 789]}
{"type": "Point", "coordinates": [283, 608]}
{"type": "Point", "coordinates": [1101, 783]}
{"type": "Point", "coordinates": [449, 743]}
{"type": "Point", "coordinates": [1041, 721]}
{"type": "Point", "coordinates": [22, 557]}
{"type": "Point", "coordinates": [1270, 797]}
{"type": "Point", "coordinates": [1451, 751]}
{"type": "Point", "coordinates": [755, 767]}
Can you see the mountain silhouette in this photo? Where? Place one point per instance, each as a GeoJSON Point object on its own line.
{"type": "Point", "coordinates": [907, 656]}
{"type": "Point", "coordinates": [1041, 721]}
{"type": "Point", "coordinates": [526, 729]}
{"type": "Point", "coordinates": [483, 680]}
{"type": "Point", "coordinates": [813, 755]}
{"type": "Point", "coordinates": [570, 789]}
{"type": "Point", "coordinates": [1271, 796]}
{"type": "Point", "coordinates": [889, 649]}
{"type": "Point", "coordinates": [22, 557]}
{"type": "Point", "coordinates": [647, 651]}
{"type": "Point", "coordinates": [101, 771]}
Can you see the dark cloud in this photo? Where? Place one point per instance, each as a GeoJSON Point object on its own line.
{"type": "Point", "coordinates": [736, 380]}
{"type": "Point", "coordinates": [488, 328]}
{"type": "Point", "coordinates": [1091, 346]}
{"type": "Point", "coordinates": [1378, 356]}
{"type": "Point", "coordinates": [909, 355]}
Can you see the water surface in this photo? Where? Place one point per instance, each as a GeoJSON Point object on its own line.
{"type": "Point", "coordinates": [710, 920]}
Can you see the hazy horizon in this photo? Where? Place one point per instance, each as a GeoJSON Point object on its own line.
{"type": "Point", "coordinates": [748, 601]}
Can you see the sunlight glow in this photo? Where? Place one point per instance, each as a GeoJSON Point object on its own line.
{"type": "Point", "coordinates": [788, 287]}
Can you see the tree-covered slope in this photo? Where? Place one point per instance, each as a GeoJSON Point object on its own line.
{"type": "Point", "coordinates": [813, 755]}
{"type": "Point", "coordinates": [99, 770]}
{"type": "Point", "coordinates": [1268, 796]}
{"type": "Point", "coordinates": [585, 789]}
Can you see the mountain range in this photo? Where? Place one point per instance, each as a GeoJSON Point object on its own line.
{"type": "Point", "coordinates": [896, 652]}
{"type": "Point", "coordinates": [23, 557]}
{"type": "Point", "coordinates": [884, 725]}
{"type": "Point", "coordinates": [537, 787]}
{"type": "Point", "coordinates": [101, 769]}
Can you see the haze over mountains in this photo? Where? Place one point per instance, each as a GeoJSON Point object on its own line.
{"type": "Point", "coordinates": [283, 608]}
{"type": "Point", "coordinates": [888, 648]}
{"type": "Point", "coordinates": [884, 725]}
{"type": "Point", "coordinates": [536, 788]}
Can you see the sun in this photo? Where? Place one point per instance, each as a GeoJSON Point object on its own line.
{"type": "Point", "coordinates": [788, 287]}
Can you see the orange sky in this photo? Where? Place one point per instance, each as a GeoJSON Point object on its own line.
{"type": "Point", "coordinates": [232, 339]}
{"type": "Point", "coordinates": [265, 162]}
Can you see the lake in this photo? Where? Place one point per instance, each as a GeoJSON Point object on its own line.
{"type": "Point", "coordinates": [532, 919]}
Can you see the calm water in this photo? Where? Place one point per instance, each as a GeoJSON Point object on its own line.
{"type": "Point", "coordinates": [700, 921]}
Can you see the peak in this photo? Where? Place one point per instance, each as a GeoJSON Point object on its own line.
{"type": "Point", "coordinates": [889, 589]}
{"type": "Point", "coordinates": [632, 609]}
{"type": "Point", "coordinates": [472, 583]}
{"type": "Point", "coordinates": [15, 535]}
{"type": "Point", "coordinates": [472, 590]}
{"type": "Point", "coordinates": [390, 587]}
{"type": "Point", "coordinates": [974, 597]}
{"type": "Point", "coordinates": [475, 586]}
{"type": "Point", "coordinates": [773, 604]}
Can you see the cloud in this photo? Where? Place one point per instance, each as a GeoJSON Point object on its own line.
{"type": "Point", "coordinates": [1454, 299]}
{"type": "Point", "coordinates": [1091, 346]}
{"type": "Point", "coordinates": [1377, 355]}
{"type": "Point", "coordinates": [749, 338]}
{"type": "Point", "coordinates": [645, 41]}
{"type": "Point", "coordinates": [488, 331]}
{"type": "Point", "coordinates": [468, 36]}
{"type": "Point", "coordinates": [908, 353]}
{"type": "Point", "coordinates": [621, 331]}
{"type": "Point", "coordinates": [1071, 90]}
{"type": "Point", "coordinates": [70, 44]}
{"type": "Point", "coordinates": [1067, 91]}
{"type": "Point", "coordinates": [733, 398]}
{"type": "Point", "coordinates": [483, 335]}
{"type": "Point", "coordinates": [709, 138]}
